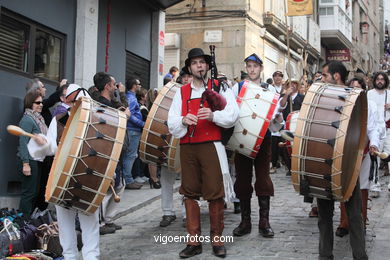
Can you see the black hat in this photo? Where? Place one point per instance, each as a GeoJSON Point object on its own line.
{"type": "Point", "coordinates": [255, 58]}
{"type": "Point", "coordinates": [197, 52]}
{"type": "Point", "coordinates": [184, 71]}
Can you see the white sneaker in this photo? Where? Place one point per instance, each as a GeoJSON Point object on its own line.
{"type": "Point", "coordinates": [388, 187]}
{"type": "Point", "coordinates": [139, 180]}
{"type": "Point", "coordinates": [375, 189]}
{"type": "Point", "coordinates": [145, 178]}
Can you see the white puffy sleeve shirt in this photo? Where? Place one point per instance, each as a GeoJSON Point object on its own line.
{"type": "Point", "coordinates": [225, 118]}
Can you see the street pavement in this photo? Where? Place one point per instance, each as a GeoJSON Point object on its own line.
{"type": "Point", "coordinates": [296, 235]}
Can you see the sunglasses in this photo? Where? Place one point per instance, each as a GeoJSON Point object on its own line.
{"type": "Point", "coordinates": [38, 102]}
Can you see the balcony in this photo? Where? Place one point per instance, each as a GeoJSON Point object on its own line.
{"type": "Point", "coordinates": [336, 27]}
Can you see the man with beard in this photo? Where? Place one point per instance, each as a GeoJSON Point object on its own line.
{"type": "Point", "coordinates": [381, 96]}
{"type": "Point", "coordinates": [203, 158]}
{"type": "Point", "coordinates": [335, 73]}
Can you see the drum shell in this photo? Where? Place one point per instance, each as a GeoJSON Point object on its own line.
{"type": "Point", "coordinates": [157, 145]}
{"type": "Point", "coordinates": [87, 156]}
{"type": "Point", "coordinates": [345, 133]}
{"type": "Point", "coordinates": [291, 125]}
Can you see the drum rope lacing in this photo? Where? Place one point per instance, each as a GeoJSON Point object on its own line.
{"type": "Point", "coordinates": [79, 158]}
{"type": "Point", "coordinates": [307, 128]}
{"type": "Point", "coordinates": [165, 157]}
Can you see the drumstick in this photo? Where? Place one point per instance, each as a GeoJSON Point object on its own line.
{"type": "Point", "coordinates": [381, 155]}
{"type": "Point", "coordinates": [116, 197]}
{"type": "Point", "coordinates": [16, 130]}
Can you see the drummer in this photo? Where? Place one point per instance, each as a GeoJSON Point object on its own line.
{"type": "Point", "coordinates": [335, 73]}
{"type": "Point", "coordinates": [373, 134]}
{"type": "Point", "coordinates": [263, 186]}
{"type": "Point", "coordinates": [66, 217]}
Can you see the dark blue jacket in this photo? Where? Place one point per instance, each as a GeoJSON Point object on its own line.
{"type": "Point", "coordinates": [135, 122]}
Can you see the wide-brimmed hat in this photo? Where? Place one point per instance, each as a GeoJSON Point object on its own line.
{"type": "Point", "coordinates": [74, 92]}
{"type": "Point", "coordinates": [195, 53]}
{"type": "Point", "coordinates": [255, 58]}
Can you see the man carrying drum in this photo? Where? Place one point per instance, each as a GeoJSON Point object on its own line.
{"type": "Point", "coordinates": [203, 158]}
{"type": "Point", "coordinates": [336, 73]}
{"type": "Point", "coordinates": [263, 186]}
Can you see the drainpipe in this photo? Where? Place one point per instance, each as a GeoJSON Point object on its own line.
{"type": "Point", "coordinates": [108, 35]}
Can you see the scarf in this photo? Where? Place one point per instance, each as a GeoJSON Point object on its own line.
{"type": "Point", "coordinates": [38, 119]}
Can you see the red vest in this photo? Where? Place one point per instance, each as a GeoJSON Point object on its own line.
{"type": "Point", "coordinates": [205, 131]}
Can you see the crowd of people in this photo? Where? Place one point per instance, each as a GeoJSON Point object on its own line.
{"type": "Point", "coordinates": [203, 156]}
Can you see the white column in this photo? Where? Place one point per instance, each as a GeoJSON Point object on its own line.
{"type": "Point", "coordinates": [158, 39]}
{"type": "Point", "coordinates": [86, 42]}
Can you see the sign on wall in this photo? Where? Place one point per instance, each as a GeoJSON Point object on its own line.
{"type": "Point", "coordinates": [213, 36]}
{"type": "Point", "coordinates": [299, 7]}
{"type": "Point", "coordinates": [338, 55]}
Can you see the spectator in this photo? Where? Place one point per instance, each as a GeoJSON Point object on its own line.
{"type": "Point", "coordinates": [32, 122]}
{"type": "Point", "coordinates": [173, 71]}
{"type": "Point", "coordinates": [134, 129]}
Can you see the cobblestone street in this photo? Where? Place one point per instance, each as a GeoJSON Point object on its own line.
{"type": "Point", "coordinates": [296, 235]}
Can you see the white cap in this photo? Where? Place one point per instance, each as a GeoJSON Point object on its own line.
{"type": "Point", "coordinates": [74, 92]}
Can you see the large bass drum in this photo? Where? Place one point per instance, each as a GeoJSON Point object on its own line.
{"type": "Point", "coordinates": [87, 156]}
{"type": "Point", "coordinates": [257, 106]}
{"type": "Point", "coordinates": [329, 142]}
{"type": "Point", "coordinates": [157, 145]}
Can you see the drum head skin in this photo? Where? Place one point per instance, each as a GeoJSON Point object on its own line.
{"type": "Point", "coordinates": [257, 106]}
{"type": "Point", "coordinates": [329, 140]}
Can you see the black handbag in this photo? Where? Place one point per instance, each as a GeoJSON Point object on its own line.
{"type": "Point", "coordinates": [10, 240]}
{"type": "Point", "coordinates": [29, 239]}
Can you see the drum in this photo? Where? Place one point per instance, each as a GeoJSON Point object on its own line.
{"type": "Point", "coordinates": [329, 142]}
{"type": "Point", "coordinates": [257, 106]}
{"type": "Point", "coordinates": [157, 145]}
{"type": "Point", "coordinates": [291, 125]}
{"type": "Point", "coordinates": [87, 156]}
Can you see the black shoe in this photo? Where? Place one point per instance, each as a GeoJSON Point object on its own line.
{"type": "Point", "coordinates": [242, 229]}
{"type": "Point", "coordinates": [190, 251]}
{"type": "Point", "coordinates": [266, 232]}
{"type": "Point", "coordinates": [154, 184]}
{"type": "Point", "coordinates": [237, 208]}
{"type": "Point", "coordinates": [106, 230]}
{"type": "Point", "coordinates": [219, 251]}
{"type": "Point", "coordinates": [117, 227]}
{"type": "Point", "coordinates": [340, 232]}
{"type": "Point", "coordinates": [288, 173]}
{"type": "Point", "coordinates": [167, 220]}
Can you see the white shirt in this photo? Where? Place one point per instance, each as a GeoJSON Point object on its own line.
{"type": "Point", "coordinates": [373, 125]}
{"type": "Point", "coordinates": [278, 89]}
{"type": "Point", "coordinates": [225, 118]}
{"type": "Point", "coordinates": [380, 98]}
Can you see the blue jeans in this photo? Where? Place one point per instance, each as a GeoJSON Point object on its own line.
{"type": "Point", "coordinates": [131, 142]}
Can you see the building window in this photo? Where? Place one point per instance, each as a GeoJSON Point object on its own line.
{"type": "Point", "coordinates": [139, 68]}
{"type": "Point", "coordinates": [326, 11]}
{"type": "Point", "coordinates": [29, 47]}
{"type": "Point", "coordinates": [326, 1]}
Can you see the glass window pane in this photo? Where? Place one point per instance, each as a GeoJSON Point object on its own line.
{"type": "Point", "coordinates": [47, 55]}
{"type": "Point", "coordinates": [14, 43]}
{"type": "Point", "coordinates": [330, 10]}
{"type": "Point", "coordinates": [322, 11]}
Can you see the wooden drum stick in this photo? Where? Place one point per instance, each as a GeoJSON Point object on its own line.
{"type": "Point", "coordinates": [116, 197]}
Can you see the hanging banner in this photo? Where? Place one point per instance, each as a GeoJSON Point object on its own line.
{"type": "Point", "coordinates": [299, 7]}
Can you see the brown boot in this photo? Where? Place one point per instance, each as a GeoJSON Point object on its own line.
{"type": "Point", "coordinates": [264, 226]}
{"type": "Point", "coordinates": [342, 229]}
{"type": "Point", "coordinates": [245, 226]}
{"type": "Point", "coordinates": [216, 211]}
{"type": "Point", "coordinates": [193, 228]}
{"type": "Point", "coordinates": [364, 206]}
